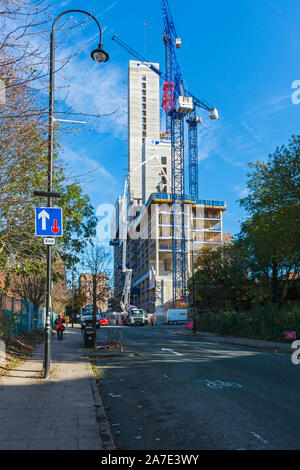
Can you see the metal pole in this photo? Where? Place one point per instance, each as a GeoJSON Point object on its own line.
{"type": "Point", "coordinates": [193, 287]}
{"type": "Point", "coordinates": [49, 204]}
{"type": "Point", "coordinates": [95, 307]}
{"type": "Point", "coordinates": [121, 341]}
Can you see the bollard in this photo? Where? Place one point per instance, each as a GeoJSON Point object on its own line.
{"type": "Point", "coordinates": [121, 341]}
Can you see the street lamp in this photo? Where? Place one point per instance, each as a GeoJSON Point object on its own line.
{"type": "Point", "coordinates": [100, 56]}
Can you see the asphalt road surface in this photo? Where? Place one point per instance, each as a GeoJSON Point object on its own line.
{"type": "Point", "coordinates": [183, 393]}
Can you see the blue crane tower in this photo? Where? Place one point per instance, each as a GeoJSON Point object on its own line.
{"type": "Point", "coordinates": [177, 103]}
{"type": "Point", "coordinates": [176, 106]}
{"type": "Point", "coordinates": [171, 89]}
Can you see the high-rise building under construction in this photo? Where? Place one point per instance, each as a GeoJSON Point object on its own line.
{"type": "Point", "coordinates": [149, 210]}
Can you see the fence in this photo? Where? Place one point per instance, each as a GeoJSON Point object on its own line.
{"type": "Point", "coordinates": [18, 316]}
{"type": "Point", "coordinates": [268, 323]}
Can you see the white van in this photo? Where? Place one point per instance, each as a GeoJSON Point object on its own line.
{"type": "Point", "coordinates": [176, 316]}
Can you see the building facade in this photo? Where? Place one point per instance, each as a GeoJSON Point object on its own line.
{"type": "Point", "coordinates": [149, 209]}
{"type": "Point", "coordinates": [102, 291]}
{"type": "Point", "coordinates": [149, 246]}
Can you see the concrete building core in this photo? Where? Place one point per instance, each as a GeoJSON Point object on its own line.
{"type": "Point", "coordinates": [143, 121]}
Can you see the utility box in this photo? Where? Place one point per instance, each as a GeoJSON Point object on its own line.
{"type": "Point", "coordinates": [184, 104]}
{"type": "Point", "coordinates": [89, 334]}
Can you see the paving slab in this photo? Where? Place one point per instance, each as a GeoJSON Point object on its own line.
{"type": "Point", "coordinates": [61, 413]}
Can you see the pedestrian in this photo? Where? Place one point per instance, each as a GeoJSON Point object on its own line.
{"type": "Point", "coordinates": [151, 320]}
{"type": "Point", "coordinates": [60, 327]}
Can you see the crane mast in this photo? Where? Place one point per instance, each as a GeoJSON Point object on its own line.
{"type": "Point", "coordinates": [178, 107]}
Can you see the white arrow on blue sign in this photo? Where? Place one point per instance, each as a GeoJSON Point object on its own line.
{"type": "Point", "coordinates": [48, 222]}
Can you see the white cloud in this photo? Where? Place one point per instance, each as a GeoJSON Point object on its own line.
{"type": "Point", "coordinates": [85, 169]}
{"type": "Point", "coordinates": [208, 139]}
{"type": "Point", "coordinates": [240, 190]}
{"type": "Point", "coordinates": [96, 89]}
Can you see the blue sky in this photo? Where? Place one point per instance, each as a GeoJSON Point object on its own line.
{"type": "Point", "coordinates": [241, 56]}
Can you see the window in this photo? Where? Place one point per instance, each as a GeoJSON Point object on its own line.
{"type": "Point", "coordinates": [143, 85]}
{"type": "Point", "coordinates": [144, 120]}
{"type": "Point", "coordinates": [144, 113]}
{"type": "Point", "coordinates": [164, 180]}
{"type": "Point", "coordinates": [144, 99]}
{"type": "Point", "coordinates": [164, 160]}
{"type": "Point", "coordinates": [144, 106]}
{"type": "Point", "coordinates": [143, 78]}
{"type": "Point", "coordinates": [144, 134]}
{"type": "Point", "coordinates": [144, 127]}
{"type": "Point", "coordinates": [144, 92]}
{"type": "Point", "coordinates": [165, 169]}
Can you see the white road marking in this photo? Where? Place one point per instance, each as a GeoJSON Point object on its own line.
{"type": "Point", "coordinates": [167, 377]}
{"type": "Point", "coordinates": [171, 351]}
{"type": "Point", "coordinates": [259, 438]}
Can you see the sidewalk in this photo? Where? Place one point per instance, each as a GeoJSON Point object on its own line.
{"type": "Point", "coordinates": [272, 346]}
{"type": "Point", "coordinates": [64, 412]}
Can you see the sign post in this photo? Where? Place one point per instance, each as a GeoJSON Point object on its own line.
{"type": "Point", "coordinates": [48, 223]}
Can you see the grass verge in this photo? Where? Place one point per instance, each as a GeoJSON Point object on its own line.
{"type": "Point", "coordinates": [19, 348]}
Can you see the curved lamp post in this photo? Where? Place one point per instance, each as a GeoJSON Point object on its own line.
{"type": "Point", "coordinates": [100, 56]}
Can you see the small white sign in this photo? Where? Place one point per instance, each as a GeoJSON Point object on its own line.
{"type": "Point", "coordinates": [49, 241]}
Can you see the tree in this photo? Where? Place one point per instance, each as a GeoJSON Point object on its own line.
{"type": "Point", "coordinates": [97, 280]}
{"type": "Point", "coordinates": [114, 303]}
{"type": "Point", "coordinates": [24, 25]}
{"type": "Point", "coordinates": [271, 233]}
{"type": "Point", "coordinates": [97, 260]}
{"type": "Point", "coordinates": [31, 288]}
{"type": "Point", "coordinates": [221, 279]}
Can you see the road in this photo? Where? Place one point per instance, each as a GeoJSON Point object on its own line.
{"type": "Point", "coordinates": [181, 393]}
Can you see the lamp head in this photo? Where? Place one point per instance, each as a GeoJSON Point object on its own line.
{"type": "Point", "coordinates": [99, 55]}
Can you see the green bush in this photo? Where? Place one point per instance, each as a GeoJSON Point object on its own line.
{"type": "Point", "coordinates": [266, 322]}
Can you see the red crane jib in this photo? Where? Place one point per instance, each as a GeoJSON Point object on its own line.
{"type": "Point", "coordinates": [168, 98]}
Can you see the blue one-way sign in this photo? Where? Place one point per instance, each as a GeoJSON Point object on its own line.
{"type": "Point", "coordinates": [48, 222]}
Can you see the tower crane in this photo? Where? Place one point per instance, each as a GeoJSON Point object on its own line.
{"type": "Point", "coordinates": [177, 102]}
{"type": "Point", "coordinates": [176, 105]}
{"type": "Point", "coordinates": [174, 78]}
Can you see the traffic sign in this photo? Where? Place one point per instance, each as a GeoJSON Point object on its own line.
{"type": "Point", "coordinates": [49, 241]}
{"type": "Point", "coordinates": [48, 222]}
